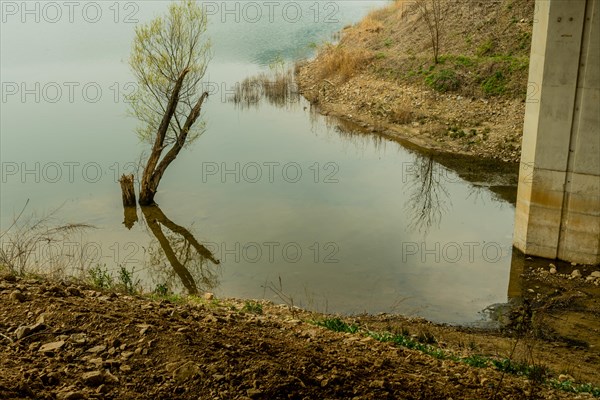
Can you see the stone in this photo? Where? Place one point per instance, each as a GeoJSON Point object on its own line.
{"type": "Point", "coordinates": [93, 378]}
{"type": "Point", "coordinates": [17, 296]}
{"type": "Point", "coordinates": [185, 372]}
{"type": "Point", "coordinates": [564, 377]}
{"type": "Point", "coordinates": [78, 338]}
{"type": "Point", "coordinates": [208, 296]}
{"type": "Point", "coordinates": [553, 271]}
{"type": "Point", "coordinates": [97, 349]}
{"type": "Point", "coordinates": [51, 347]}
{"type": "Point", "coordinates": [595, 274]}
{"type": "Point", "coordinates": [70, 395]}
{"type": "Point", "coordinates": [576, 274]}
{"type": "Point", "coordinates": [22, 331]}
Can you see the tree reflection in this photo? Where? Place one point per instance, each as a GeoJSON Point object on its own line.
{"type": "Point", "coordinates": [429, 199]}
{"type": "Point", "coordinates": [191, 261]}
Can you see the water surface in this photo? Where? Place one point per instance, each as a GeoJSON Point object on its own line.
{"type": "Point", "coordinates": [271, 202]}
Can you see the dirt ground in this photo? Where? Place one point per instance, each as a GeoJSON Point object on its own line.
{"type": "Point", "coordinates": [67, 341]}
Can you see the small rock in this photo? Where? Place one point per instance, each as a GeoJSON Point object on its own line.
{"type": "Point", "coordinates": [71, 395]}
{"type": "Point", "coordinates": [553, 270]}
{"type": "Point", "coordinates": [94, 378]}
{"type": "Point", "coordinates": [73, 291]}
{"type": "Point", "coordinates": [51, 347]}
{"type": "Point", "coordinates": [185, 372]}
{"type": "Point", "coordinates": [96, 361]}
{"type": "Point", "coordinates": [17, 296]}
{"type": "Point", "coordinates": [576, 274]}
{"type": "Point", "coordinates": [97, 349]}
{"type": "Point", "coordinates": [595, 274]}
{"type": "Point", "coordinates": [22, 331]}
{"type": "Point", "coordinates": [564, 377]}
{"type": "Point", "coordinates": [78, 338]}
{"type": "Point", "coordinates": [208, 296]}
{"type": "Point", "coordinates": [253, 393]}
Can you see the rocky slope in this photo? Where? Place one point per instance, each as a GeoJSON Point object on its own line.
{"type": "Point", "coordinates": [382, 76]}
{"type": "Point", "coordinates": [67, 341]}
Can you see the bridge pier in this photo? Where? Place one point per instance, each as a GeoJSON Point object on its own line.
{"type": "Point", "coordinates": [558, 201]}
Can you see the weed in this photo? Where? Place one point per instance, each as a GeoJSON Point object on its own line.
{"type": "Point", "coordinates": [486, 48]}
{"type": "Point", "coordinates": [30, 236]}
{"type": "Point", "coordinates": [401, 116]}
{"type": "Point", "coordinates": [494, 85]}
{"type": "Point", "coordinates": [443, 81]}
{"type": "Point", "coordinates": [252, 307]}
{"type": "Point", "coordinates": [100, 277]}
{"type": "Point", "coordinates": [126, 280]}
{"type": "Point", "coordinates": [388, 42]}
{"type": "Point", "coordinates": [161, 289]}
{"type": "Point", "coordinates": [426, 337]}
{"type": "Point", "coordinates": [380, 56]}
{"type": "Point", "coordinates": [476, 361]}
{"type": "Point", "coordinates": [337, 325]}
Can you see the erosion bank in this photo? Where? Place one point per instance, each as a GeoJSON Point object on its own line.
{"type": "Point", "coordinates": [382, 76]}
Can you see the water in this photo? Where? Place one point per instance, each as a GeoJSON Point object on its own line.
{"type": "Point", "coordinates": [271, 202]}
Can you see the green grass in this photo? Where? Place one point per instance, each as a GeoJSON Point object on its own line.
{"type": "Point", "coordinates": [535, 373]}
{"type": "Point", "coordinates": [252, 307]}
{"type": "Point", "coordinates": [445, 80]}
{"type": "Point", "coordinates": [495, 84]}
{"type": "Point", "coordinates": [337, 325]}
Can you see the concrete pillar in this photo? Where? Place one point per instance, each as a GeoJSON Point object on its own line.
{"type": "Point", "coordinates": [558, 201]}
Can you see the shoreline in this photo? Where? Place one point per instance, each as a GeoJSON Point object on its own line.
{"type": "Point", "coordinates": [67, 340]}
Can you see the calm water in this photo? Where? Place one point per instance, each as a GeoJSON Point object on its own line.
{"type": "Point", "coordinates": [270, 202]}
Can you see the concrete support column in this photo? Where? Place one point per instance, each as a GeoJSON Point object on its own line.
{"type": "Point", "coordinates": [558, 202]}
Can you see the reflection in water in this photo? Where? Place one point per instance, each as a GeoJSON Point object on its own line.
{"type": "Point", "coordinates": [429, 198]}
{"type": "Point", "coordinates": [192, 262]}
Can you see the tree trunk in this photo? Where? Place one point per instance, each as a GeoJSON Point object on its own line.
{"type": "Point", "coordinates": [131, 217]}
{"type": "Point", "coordinates": [127, 190]}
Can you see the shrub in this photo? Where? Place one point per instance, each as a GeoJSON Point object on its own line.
{"type": "Point", "coordinates": [443, 81]}
{"type": "Point", "coordinates": [494, 85]}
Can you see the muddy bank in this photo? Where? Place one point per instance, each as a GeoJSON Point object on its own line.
{"type": "Point", "coordinates": [68, 341]}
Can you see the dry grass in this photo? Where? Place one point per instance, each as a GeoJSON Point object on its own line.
{"type": "Point", "coordinates": [342, 62]}
{"type": "Point", "coordinates": [278, 88]}
{"type": "Point", "coordinates": [401, 115]}
{"type": "Point", "coordinates": [34, 244]}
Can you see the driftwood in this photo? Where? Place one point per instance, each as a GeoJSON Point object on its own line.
{"type": "Point", "coordinates": [127, 190]}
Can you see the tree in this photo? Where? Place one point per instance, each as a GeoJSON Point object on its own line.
{"type": "Point", "coordinates": [169, 59]}
{"type": "Point", "coordinates": [430, 12]}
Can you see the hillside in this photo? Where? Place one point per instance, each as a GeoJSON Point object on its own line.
{"type": "Point", "coordinates": [382, 75]}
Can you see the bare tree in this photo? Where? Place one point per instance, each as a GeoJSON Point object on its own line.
{"type": "Point", "coordinates": [169, 59]}
{"type": "Point", "coordinates": [430, 11]}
